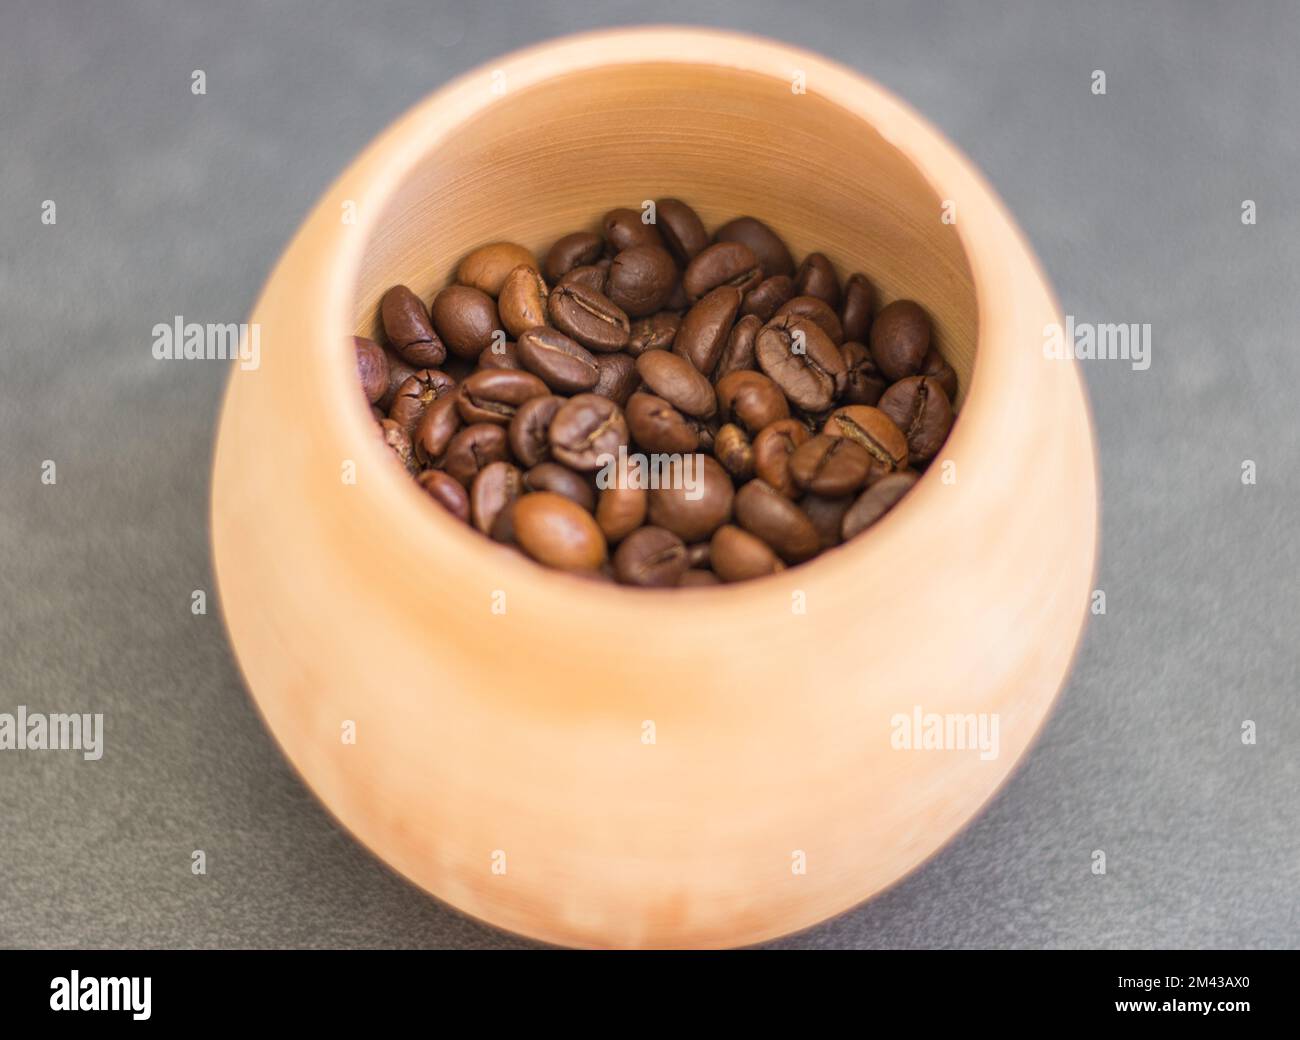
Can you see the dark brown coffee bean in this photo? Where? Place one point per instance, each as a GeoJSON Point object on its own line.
{"type": "Point", "coordinates": [864, 384]}
{"type": "Point", "coordinates": [767, 514]}
{"type": "Point", "coordinates": [438, 425]}
{"type": "Point", "coordinates": [499, 355]}
{"type": "Point", "coordinates": [372, 367]}
{"type": "Point", "coordinates": [934, 365]}
{"type": "Point", "coordinates": [557, 532]}
{"type": "Point", "coordinates": [522, 301]}
{"type": "Point", "coordinates": [696, 577]}
{"type": "Point", "coordinates": [593, 276]}
{"type": "Point", "coordinates": [495, 486]}
{"type": "Point", "coordinates": [530, 428]}
{"type": "Point", "coordinates": [408, 329]}
{"type": "Point", "coordinates": [589, 316]}
{"type": "Point", "coordinates": [830, 466]}
{"type": "Point", "coordinates": [620, 511]}
{"type": "Point", "coordinates": [617, 377]}
{"type": "Point", "coordinates": [707, 430]}
{"type": "Point", "coordinates": [827, 516]}
{"type": "Point", "coordinates": [399, 442]}
{"type": "Point", "coordinates": [650, 557]}
{"type": "Point", "coordinates": [737, 555]}
{"type": "Point", "coordinates": [900, 338]}
{"type": "Point", "coordinates": [876, 501]}
{"type": "Point", "coordinates": [473, 448]}
{"type": "Point", "coordinates": [733, 449]}
{"type": "Point", "coordinates": [682, 230]}
{"type": "Point", "coordinates": [752, 400]}
{"type": "Point", "coordinates": [919, 408]}
{"type": "Point", "coordinates": [816, 277]}
{"type": "Point", "coordinates": [586, 431]}
{"type": "Point", "coordinates": [655, 425]}
{"type": "Point", "coordinates": [415, 396]}
{"type": "Point", "coordinates": [859, 302]}
{"type": "Point", "coordinates": [875, 431]}
{"type": "Point", "coordinates": [704, 331]}
{"type": "Point", "coordinates": [465, 318]}
{"type": "Point", "coordinates": [697, 501]}
{"type": "Point", "coordinates": [399, 371]}
{"type": "Point", "coordinates": [494, 394]}
{"type": "Point", "coordinates": [577, 249]}
{"type": "Point", "coordinates": [624, 229]}
{"type": "Point", "coordinates": [800, 358]}
{"type": "Point", "coordinates": [768, 296]}
{"type": "Point", "coordinates": [678, 302]}
{"type": "Point", "coordinates": [551, 476]}
{"type": "Point", "coordinates": [641, 279]}
{"type": "Point", "coordinates": [818, 311]}
{"type": "Point", "coordinates": [447, 492]}
{"type": "Point", "coordinates": [772, 450]}
{"type": "Point", "coordinates": [656, 332]}
{"type": "Point", "coordinates": [723, 263]}
{"type": "Point", "coordinates": [697, 554]}
{"type": "Point", "coordinates": [772, 254]}
{"type": "Point", "coordinates": [562, 364]}
{"type": "Point", "coordinates": [738, 354]}
{"type": "Point", "coordinates": [678, 382]}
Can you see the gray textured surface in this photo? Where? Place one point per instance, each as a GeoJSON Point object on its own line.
{"type": "Point", "coordinates": [174, 204]}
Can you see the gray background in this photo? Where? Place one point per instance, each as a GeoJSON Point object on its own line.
{"type": "Point", "coordinates": [174, 204]}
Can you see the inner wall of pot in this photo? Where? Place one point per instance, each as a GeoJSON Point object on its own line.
{"type": "Point", "coordinates": [537, 163]}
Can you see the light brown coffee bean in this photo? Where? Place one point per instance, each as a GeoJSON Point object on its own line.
{"type": "Point", "coordinates": [752, 400]}
{"type": "Point", "coordinates": [678, 382]}
{"type": "Point", "coordinates": [447, 491]}
{"type": "Point", "coordinates": [737, 555]}
{"type": "Point", "coordinates": [656, 426]}
{"type": "Point", "coordinates": [557, 532]}
{"type": "Point", "coordinates": [486, 268]}
{"type": "Point", "coordinates": [723, 263]}
{"type": "Point", "coordinates": [495, 486]}
{"type": "Point", "coordinates": [767, 514]}
{"type": "Point", "coordinates": [589, 316]}
{"type": "Point", "coordinates": [873, 430]}
{"type": "Point", "coordinates": [876, 501]}
{"type": "Point", "coordinates": [830, 466]}
{"type": "Point", "coordinates": [801, 359]}
{"type": "Point", "coordinates": [697, 501]}
{"type": "Point", "coordinates": [772, 450]}
{"type": "Point", "coordinates": [465, 318]}
{"type": "Point", "coordinates": [551, 476]}
{"type": "Point", "coordinates": [620, 511]}
{"type": "Point", "coordinates": [733, 449]}
{"type": "Point", "coordinates": [522, 301]}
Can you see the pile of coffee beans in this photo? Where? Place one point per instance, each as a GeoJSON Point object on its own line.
{"type": "Point", "coordinates": [763, 412]}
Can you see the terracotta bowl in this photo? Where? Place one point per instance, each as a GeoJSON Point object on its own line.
{"type": "Point", "coordinates": [604, 766]}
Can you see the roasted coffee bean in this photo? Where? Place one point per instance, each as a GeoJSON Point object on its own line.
{"type": "Point", "coordinates": [919, 408]}
{"type": "Point", "coordinates": [767, 514]}
{"type": "Point", "coordinates": [495, 394]}
{"type": "Point", "coordinates": [678, 302]}
{"type": "Point", "coordinates": [372, 367]}
{"type": "Point", "coordinates": [704, 331]}
{"type": "Point", "coordinates": [408, 329]}
{"type": "Point", "coordinates": [529, 433]}
{"type": "Point", "coordinates": [827, 516]}
{"type": "Point", "coordinates": [723, 263]}
{"type": "Point", "coordinates": [641, 279]}
{"type": "Point", "coordinates": [768, 296]}
{"type": "Point", "coordinates": [876, 501]}
{"type": "Point", "coordinates": [656, 332]}
{"type": "Point", "coordinates": [752, 400]}
{"type": "Point", "coordinates": [585, 430]}
{"type": "Point", "coordinates": [863, 384]}
{"type": "Point", "coordinates": [875, 431]}
{"type": "Point", "coordinates": [816, 277]}
{"type": "Point", "coordinates": [934, 365]}
{"type": "Point", "coordinates": [620, 511]}
{"type": "Point", "coordinates": [473, 448]}
{"type": "Point", "coordinates": [656, 425]}
{"type": "Point", "coordinates": [465, 318]}
{"type": "Point", "coordinates": [486, 268]}
{"type": "Point", "coordinates": [695, 577]}
{"type": "Point", "coordinates": [697, 554]}
{"type": "Point", "coordinates": [438, 425]}
{"type": "Point", "coordinates": [830, 466]}
{"type": "Point", "coordinates": [900, 338]}
{"type": "Point", "coordinates": [859, 302]}
{"type": "Point", "coordinates": [447, 491]}
{"type": "Point", "coordinates": [737, 555]}
{"type": "Point", "coordinates": [800, 358]}
{"type": "Point", "coordinates": [617, 377]}
{"type": "Point", "coordinates": [678, 382]}
{"type": "Point", "coordinates": [399, 371]}
{"type": "Point", "coordinates": [589, 316]}
{"type": "Point", "coordinates": [593, 276]}
{"type": "Point", "coordinates": [399, 441]}
{"type": "Point", "coordinates": [565, 366]}
{"type": "Point", "coordinates": [733, 449]}
{"type": "Point", "coordinates": [499, 355]}
{"type": "Point", "coordinates": [624, 228]}
{"type": "Point", "coordinates": [522, 301]}
{"type": "Point", "coordinates": [551, 476]}
{"type": "Point", "coordinates": [707, 430]}
{"type": "Point", "coordinates": [772, 450]}
{"type": "Point", "coordinates": [558, 532]}
{"type": "Point", "coordinates": [415, 396]}
{"type": "Point", "coordinates": [697, 500]}
{"type": "Point", "coordinates": [818, 311]}
{"type": "Point", "coordinates": [767, 246]}
{"type": "Point", "coordinates": [738, 354]}
{"type": "Point", "coordinates": [650, 557]}
{"type": "Point", "coordinates": [682, 230]}
{"type": "Point", "coordinates": [495, 486]}
{"type": "Point", "coordinates": [573, 250]}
